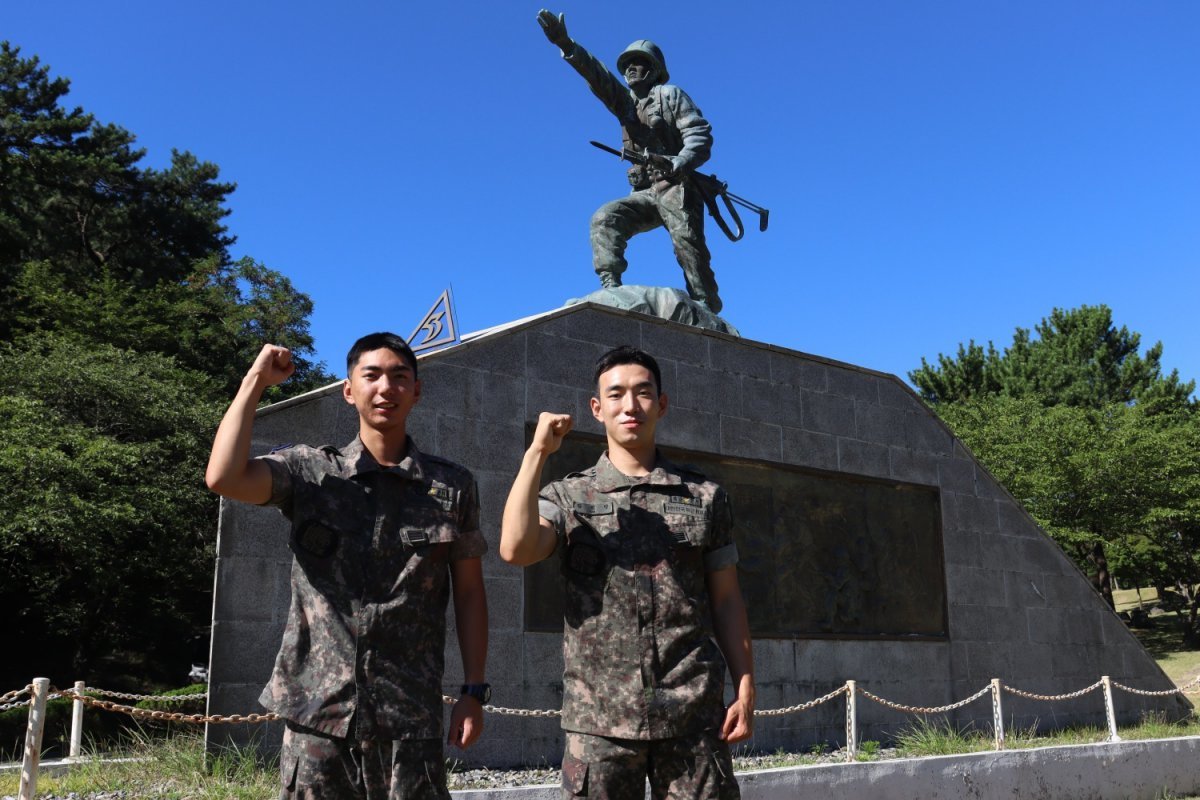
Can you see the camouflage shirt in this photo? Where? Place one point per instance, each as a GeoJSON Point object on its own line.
{"type": "Point", "coordinates": [639, 658]}
{"type": "Point", "coordinates": [370, 582]}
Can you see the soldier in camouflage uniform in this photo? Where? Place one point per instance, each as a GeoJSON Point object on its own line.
{"type": "Point", "coordinates": [660, 119]}
{"type": "Point", "coordinates": [382, 534]}
{"type": "Point", "coordinates": [647, 557]}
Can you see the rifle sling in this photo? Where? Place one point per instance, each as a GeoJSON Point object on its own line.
{"type": "Point", "coordinates": [714, 211]}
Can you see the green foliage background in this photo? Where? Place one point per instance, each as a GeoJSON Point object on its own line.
{"type": "Point", "coordinates": [1099, 445]}
{"type": "Point", "coordinates": [125, 326]}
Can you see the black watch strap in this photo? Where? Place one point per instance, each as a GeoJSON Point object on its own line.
{"type": "Point", "coordinates": [480, 691]}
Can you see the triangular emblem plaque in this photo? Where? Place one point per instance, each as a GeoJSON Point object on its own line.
{"type": "Point", "coordinates": [438, 328]}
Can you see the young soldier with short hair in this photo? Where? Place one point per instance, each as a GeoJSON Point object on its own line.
{"type": "Point", "coordinates": [648, 560]}
{"type": "Point", "coordinates": [382, 535]}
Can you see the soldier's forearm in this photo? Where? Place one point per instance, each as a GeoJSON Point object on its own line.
{"type": "Point", "coordinates": [732, 629]}
{"type": "Point", "coordinates": [471, 618]}
{"type": "Point", "coordinates": [522, 538]}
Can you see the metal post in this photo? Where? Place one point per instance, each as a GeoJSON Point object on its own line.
{"type": "Point", "coordinates": [997, 714]}
{"type": "Point", "coordinates": [33, 739]}
{"type": "Point", "coordinates": [851, 721]}
{"type": "Point", "coordinates": [1109, 711]}
{"type": "Point", "coordinates": [77, 720]}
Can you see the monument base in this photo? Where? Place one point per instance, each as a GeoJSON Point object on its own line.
{"type": "Point", "coordinates": [658, 301]}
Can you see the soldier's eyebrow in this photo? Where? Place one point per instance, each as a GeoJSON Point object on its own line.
{"type": "Point", "coordinates": [636, 387]}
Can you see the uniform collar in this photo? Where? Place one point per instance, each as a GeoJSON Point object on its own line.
{"type": "Point", "coordinates": [357, 460]}
{"type": "Point", "coordinates": [609, 478]}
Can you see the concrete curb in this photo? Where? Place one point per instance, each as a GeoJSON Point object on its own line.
{"type": "Point", "coordinates": [1139, 770]}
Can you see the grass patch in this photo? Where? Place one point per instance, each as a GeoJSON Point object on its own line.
{"type": "Point", "coordinates": [171, 768]}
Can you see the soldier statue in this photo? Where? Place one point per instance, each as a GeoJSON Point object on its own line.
{"type": "Point", "coordinates": [660, 122]}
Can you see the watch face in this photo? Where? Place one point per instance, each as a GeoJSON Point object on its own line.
{"type": "Point", "coordinates": [480, 691]}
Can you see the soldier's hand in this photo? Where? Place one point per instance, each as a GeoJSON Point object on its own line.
{"type": "Point", "coordinates": [272, 366]}
{"type": "Point", "coordinates": [555, 28]}
{"type": "Point", "coordinates": [739, 721]}
{"type": "Point", "coordinates": [466, 722]}
{"type": "Point", "coordinates": [551, 429]}
{"type": "Point", "coordinates": [663, 165]}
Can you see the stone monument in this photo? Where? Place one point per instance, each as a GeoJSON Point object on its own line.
{"type": "Point", "coordinates": [874, 547]}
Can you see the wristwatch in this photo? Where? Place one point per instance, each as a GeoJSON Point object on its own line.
{"type": "Point", "coordinates": [480, 691]}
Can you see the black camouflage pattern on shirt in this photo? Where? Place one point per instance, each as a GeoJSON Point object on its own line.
{"type": "Point", "coordinates": [370, 582]}
{"type": "Point", "coordinates": [639, 658]}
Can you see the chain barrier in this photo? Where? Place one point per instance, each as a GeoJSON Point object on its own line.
{"type": "Point", "coordinates": [166, 698]}
{"type": "Point", "coordinates": [167, 716]}
{"type": "Point", "coordinates": [776, 712]}
{"type": "Point", "coordinates": [924, 709]}
{"type": "Point", "coordinates": [8, 701]}
{"type": "Point", "coordinates": [512, 712]}
{"type": "Point", "coordinates": [1054, 697]}
{"type": "Point", "coordinates": [15, 693]}
{"type": "Point", "coordinates": [1185, 689]}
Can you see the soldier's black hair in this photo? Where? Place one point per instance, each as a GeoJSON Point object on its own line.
{"type": "Point", "coordinates": [378, 341]}
{"type": "Point", "coordinates": [628, 355]}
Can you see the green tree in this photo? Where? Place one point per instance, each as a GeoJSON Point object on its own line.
{"type": "Point", "coordinates": [105, 530]}
{"type": "Point", "coordinates": [1084, 431]}
{"type": "Point", "coordinates": [1078, 358]}
{"type": "Point", "coordinates": [125, 326]}
{"type": "Point", "coordinates": [75, 196]}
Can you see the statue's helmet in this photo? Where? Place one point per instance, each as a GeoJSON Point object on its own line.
{"type": "Point", "coordinates": [648, 49]}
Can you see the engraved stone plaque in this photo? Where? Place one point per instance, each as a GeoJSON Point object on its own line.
{"type": "Point", "coordinates": [821, 554]}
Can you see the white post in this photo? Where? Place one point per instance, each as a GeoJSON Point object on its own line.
{"type": "Point", "coordinates": [77, 720]}
{"type": "Point", "coordinates": [1109, 711]}
{"type": "Point", "coordinates": [33, 739]}
{"type": "Point", "coordinates": [997, 714]}
{"type": "Point", "coordinates": [851, 720]}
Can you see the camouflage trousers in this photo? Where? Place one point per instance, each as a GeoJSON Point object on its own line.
{"type": "Point", "coordinates": [680, 210]}
{"type": "Point", "coordinates": [693, 767]}
{"type": "Point", "coordinates": [314, 766]}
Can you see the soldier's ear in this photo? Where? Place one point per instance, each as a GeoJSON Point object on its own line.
{"type": "Point", "coordinates": [662, 404]}
{"type": "Point", "coordinates": [347, 395]}
{"type": "Point", "coordinates": [595, 404]}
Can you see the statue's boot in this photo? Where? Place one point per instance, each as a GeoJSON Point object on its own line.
{"type": "Point", "coordinates": [609, 280]}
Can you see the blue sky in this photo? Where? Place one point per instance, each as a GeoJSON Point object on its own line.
{"type": "Point", "coordinates": [936, 171]}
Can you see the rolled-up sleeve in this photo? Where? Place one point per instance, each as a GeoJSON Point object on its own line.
{"type": "Point", "coordinates": [722, 551]}
{"type": "Point", "coordinates": [281, 479]}
{"type": "Point", "coordinates": [550, 509]}
{"type": "Point", "coordinates": [469, 543]}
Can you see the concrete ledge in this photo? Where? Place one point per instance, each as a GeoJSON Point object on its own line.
{"type": "Point", "coordinates": [1139, 770]}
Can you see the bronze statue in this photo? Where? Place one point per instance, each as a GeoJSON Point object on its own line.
{"type": "Point", "coordinates": [662, 124]}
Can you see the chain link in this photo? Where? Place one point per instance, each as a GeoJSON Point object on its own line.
{"type": "Point", "coordinates": [512, 712]}
{"type": "Point", "coordinates": [1185, 689]}
{"type": "Point", "coordinates": [1069, 696]}
{"type": "Point", "coordinates": [167, 716]}
{"type": "Point", "coordinates": [775, 712]}
{"type": "Point", "coordinates": [923, 709]}
{"type": "Point", "coordinates": [166, 698]}
{"type": "Point", "coordinates": [8, 697]}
